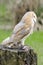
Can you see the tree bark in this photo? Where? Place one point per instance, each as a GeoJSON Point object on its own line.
{"type": "Point", "coordinates": [17, 56]}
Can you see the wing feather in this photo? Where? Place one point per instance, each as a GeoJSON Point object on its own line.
{"type": "Point", "coordinates": [18, 27]}
{"type": "Point", "coordinates": [20, 31]}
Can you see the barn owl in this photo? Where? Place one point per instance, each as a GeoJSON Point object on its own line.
{"type": "Point", "coordinates": [22, 30]}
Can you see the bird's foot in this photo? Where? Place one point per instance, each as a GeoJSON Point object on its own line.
{"type": "Point", "coordinates": [25, 48]}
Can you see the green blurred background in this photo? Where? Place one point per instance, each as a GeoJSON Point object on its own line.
{"type": "Point", "coordinates": [11, 12]}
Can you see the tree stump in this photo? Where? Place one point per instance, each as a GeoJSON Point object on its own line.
{"type": "Point", "coordinates": [17, 56]}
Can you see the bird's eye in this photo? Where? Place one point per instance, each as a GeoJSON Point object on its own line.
{"type": "Point", "coordinates": [34, 16]}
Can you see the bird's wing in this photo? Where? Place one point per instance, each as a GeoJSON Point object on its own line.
{"type": "Point", "coordinates": [6, 42]}
{"type": "Point", "coordinates": [18, 27]}
{"type": "Point", "coordinates": [20, 31]}
{"type": "Point", "coordinates": [16, 30]}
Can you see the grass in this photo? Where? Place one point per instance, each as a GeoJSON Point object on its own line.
{"type": "Point", "coordinates": [35, 41]}
{"type": "Point", "coordinates": [2, 9]}
{"type": "Point", "coordinates": [4, 34]}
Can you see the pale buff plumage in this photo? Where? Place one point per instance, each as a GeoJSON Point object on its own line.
{"type": "Point", "coordinates": [23, 29]}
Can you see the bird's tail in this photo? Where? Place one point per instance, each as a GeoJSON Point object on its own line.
{"type": "Point", "coordinates": [6, 42]}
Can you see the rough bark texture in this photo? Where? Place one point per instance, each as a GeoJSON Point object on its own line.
{"type": "Point", "coordinates": [17, 56]}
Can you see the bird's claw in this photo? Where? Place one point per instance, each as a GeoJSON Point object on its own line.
{"type": "Point", "coordinates": [25, 48]}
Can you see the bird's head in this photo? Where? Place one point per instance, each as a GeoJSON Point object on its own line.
{"type": "Point", "coordinates": [33, 16]}
{"type": "Point", "coordinates": [30, 16]}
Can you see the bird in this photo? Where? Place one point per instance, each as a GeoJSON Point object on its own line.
{"type": "Point", "coordinates": [22, 30]}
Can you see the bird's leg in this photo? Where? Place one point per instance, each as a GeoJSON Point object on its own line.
{"type": "Point", "coordinates": [23, 46]}
{"type": "Point", "coordinates": [12, 45]}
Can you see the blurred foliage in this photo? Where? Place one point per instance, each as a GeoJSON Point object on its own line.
{"type": "Point", "coordinates": [2, 9]}
{"type": "Point", "coordinates": [5, 17]}
{"type": "Point", "coordinates": [11, 11]}
{"type": "Point", "coordinates": [15, 9]}
{"type": "Point", "coordinates": [39, 11]}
